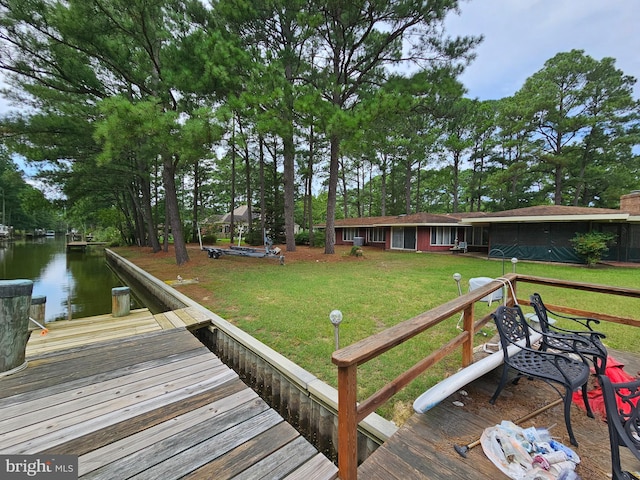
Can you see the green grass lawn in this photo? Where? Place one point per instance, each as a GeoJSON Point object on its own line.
{"type": "Point", "coordinates": [287, 307]}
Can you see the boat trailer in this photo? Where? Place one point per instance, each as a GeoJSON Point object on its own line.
{"type": "Point", "coordinates": [215, 252]}
{"type": "Point", "coordinates": [267, 252]}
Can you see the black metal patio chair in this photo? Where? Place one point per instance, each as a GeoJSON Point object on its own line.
{"type": "Point", "coordinates": [553, 368]}
{"type": "Point", "coordinates": [587, 341]}
{"type": "Point", "coordinates": [623, 420]}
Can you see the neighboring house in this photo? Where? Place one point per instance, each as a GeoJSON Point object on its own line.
{"type": "Point", "coordinates": [533, 233]}
{"type": "Point", "coordinates": [240, 220]}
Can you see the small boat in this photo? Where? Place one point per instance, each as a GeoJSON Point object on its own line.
{"type": "Point", "coordinates": [51, 233]}
{"type": "Point", "coordinates": [5, 231]}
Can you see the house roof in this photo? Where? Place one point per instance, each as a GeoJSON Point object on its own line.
{"type": "Point", "coordinates": [549, 213]}
{"type": "Point", "coordinates": [240, 215]}
{"type": "Point", "coordinates": [405, 220]}
{"type": "Point", "coordinates": [540, 213]}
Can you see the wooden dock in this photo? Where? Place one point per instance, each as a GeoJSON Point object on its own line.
{"type": "Point", "coordinates": [81, 245]}
{"type": "Point", "coordinates": [141, 397]}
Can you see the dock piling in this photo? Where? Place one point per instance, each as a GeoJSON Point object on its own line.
{"type": "Point", "coordinates": [15, 300]}
{"type": "Point", "coordinates": [37, 311]}
{"type": "Point", "coordinates": [120, 301]}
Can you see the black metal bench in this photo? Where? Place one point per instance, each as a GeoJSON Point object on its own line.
{"type": "Point", "coordinates": [547, 366]}
{"type": "Point", "coordinates": [587, 341]}
{"type": "Point", "coordinates": [622, 404]}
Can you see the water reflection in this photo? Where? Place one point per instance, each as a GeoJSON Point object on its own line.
{"type": "Point", "coordinates": [81, 280]}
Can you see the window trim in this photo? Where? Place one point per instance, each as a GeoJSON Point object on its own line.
{"type": "Point", "coordinates": [348, 233]}
{"type": "Point", "coordinates": [377, 235]}
{"type": "Point", "coordinates": [439, 237]}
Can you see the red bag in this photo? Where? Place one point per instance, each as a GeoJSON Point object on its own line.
{"type": "Point", "coordinates": [616, 373]}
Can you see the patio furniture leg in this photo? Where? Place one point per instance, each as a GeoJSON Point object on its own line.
{"type": "Point", "coordinates": [567, 417]}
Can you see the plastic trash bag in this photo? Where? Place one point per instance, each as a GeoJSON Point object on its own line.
{"type": "Point", "coordinates": [527, 455]}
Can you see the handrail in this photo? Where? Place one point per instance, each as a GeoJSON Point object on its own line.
{"type": "Point", "coordinates": [347, 359]}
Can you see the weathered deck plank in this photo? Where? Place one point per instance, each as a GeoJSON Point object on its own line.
{"type": "Point", "coordinates": [423, 447]}
{"type": "Point", "coordinates": [158, 405]}
{"type": "Point", "coordinates": [174, 319]}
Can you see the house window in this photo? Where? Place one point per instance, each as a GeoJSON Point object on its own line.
{"type": "Point", "coordinates": [348, 234]}
{"type": "Point", "coordinates": [403, 237]}
{"type": "Point", "coordinates": [377, 235]}
{"type": "Point", "coordinates": [443, 235]}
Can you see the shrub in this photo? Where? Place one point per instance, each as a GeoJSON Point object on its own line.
{"type": "Point", "coordinates": [592, 246]}
{"type": "Point", "coordinates": [254, 238]}
{"type": "Point", "coordinates": [302, 238]}
{"type": "Point", "coordinates": [356, 251]}
{"type": "Point", "coordinates": [209, 239]}
{"type": "Point", "coordinates": [110, 235]}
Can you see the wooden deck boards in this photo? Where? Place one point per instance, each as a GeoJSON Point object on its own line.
{"type": "Point", "coordinates": [140, 397]}
{"type": "Point", "coordinates": [65, 334]}
{"type": "Point", "coordinates": [158, 405]}
{"type": "Point", "coordinates": [423, 447]}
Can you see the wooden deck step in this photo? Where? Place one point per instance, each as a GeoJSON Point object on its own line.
{"type": "Point", "coordinates": [63, 334]}
{"type": "Point", "coordinates": [83, 331]}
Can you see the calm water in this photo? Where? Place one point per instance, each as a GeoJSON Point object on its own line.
{"type": "Point", "coordinates": [84, 279]}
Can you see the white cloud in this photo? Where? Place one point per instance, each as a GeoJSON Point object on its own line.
{"type": "Point", "coordinates": [521, 35]}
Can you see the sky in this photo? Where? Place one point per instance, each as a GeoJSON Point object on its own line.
{"type": "Point", "coordinates": [521, 35]}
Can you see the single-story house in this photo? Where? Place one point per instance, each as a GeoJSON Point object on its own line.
{"type": "Point", "coordinates": [532, 233]}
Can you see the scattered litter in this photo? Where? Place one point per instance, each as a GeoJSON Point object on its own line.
{"type": "Point", "coordinates": [463, 393]}
{"type": "Point", "coordinates": [458, 404]}
{"type": "Point", "coordinates": [528, 454]}
{"type": "Point", "coordinates": [182, 281]}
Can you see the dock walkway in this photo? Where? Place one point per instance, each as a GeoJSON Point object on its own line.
{"type": "Point", "coordinates": [140, 397]}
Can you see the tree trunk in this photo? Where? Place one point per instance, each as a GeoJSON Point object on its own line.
{"type": "Point", "coordinates": [147, 214]}
{"type": "Point", "coordinates": [456, 180]}
{"type": "Point", "coordinates": [263, 203]}
{"type": "Point", "coordinates": [310, 184]}
{"type": "Point", "coordinates": [196, 195]}
{"type": "Point", "coordinates": [289, 190]}
{"type": "Point", "coordinates": [343, 177]}
{"type": "Point", "coordinates": [407, 188]}
{"type": "Point", "coordinates": [559, 180]}
{"type": "Point", "coordinates": [330, 233]}
{"type": "Point", "coordinates": [383, 188]}
{"type": "Point", "coordinates": [232, 220]}
{"type": "Point", "coordinates": [247, 173]}
{"type": "Point", "coordinates": [173, 211]}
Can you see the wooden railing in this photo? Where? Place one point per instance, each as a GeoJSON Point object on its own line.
{"type": "Point", "coordinates": [351, 412]}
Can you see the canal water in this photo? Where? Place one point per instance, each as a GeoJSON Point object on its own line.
{"type": "Point", "coordinates": [79, 282]}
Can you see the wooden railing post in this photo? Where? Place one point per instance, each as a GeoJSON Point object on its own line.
{"type": "Point", "coordinates": [514, 291]}
{"type": "Point", "coordinates": [467, 346]}
{"type": "Point", "coordinates": [348, 422]}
